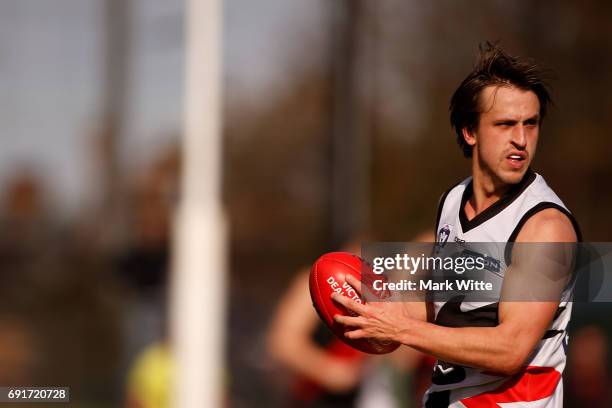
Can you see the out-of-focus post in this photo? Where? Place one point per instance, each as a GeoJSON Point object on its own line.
{"type": "Point", "coordinates": [198, 287]}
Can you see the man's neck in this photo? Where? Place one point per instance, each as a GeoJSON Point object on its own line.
{"type": "Point", "coordinates": [486, 190]}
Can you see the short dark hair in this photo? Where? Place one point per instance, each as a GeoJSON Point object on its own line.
{"type": "Point", "coordinates": [494, 67]}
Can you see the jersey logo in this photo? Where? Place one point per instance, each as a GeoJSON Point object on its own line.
{"type": "Point", "coordinates": [445, 373]}
{"type": "Point", "coordinates": [445, 370]}
{"type": "Point", "coordinates": [443, 234]}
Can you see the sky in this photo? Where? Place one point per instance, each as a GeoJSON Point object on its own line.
{"type": "Point", "coordinates": [51, 69]}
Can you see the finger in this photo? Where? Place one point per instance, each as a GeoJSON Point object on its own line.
{"type": "Point", "coordinates": [369, 293]}
{"type": "Point", "coordinates": [364, 289]}
{"type": "Point", "coordinates": [353, 321]}
{"type": "Point", "coordinates": [348, 303]}
{"type": "Point", "coordinates": [355, 334]}
{"type": "Point", "coordinates": [354, 282]}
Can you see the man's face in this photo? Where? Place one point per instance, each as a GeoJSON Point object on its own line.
{"type": "Point", "coordinates": [505, 140]}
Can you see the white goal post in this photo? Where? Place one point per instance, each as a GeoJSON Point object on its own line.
{"type": "Point", "coordinates": [197, 298]}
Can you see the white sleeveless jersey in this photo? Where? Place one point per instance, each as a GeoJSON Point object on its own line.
{"type": "Point", "coordinates": [539, 384]}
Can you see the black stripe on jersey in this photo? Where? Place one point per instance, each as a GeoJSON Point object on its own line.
{"type": "Point", "coordinates": [560, 310]}
{"type": "Point", "coordinates": [532, 211]}
{"type": "Point", "coordinates": [552, 333]}
{"type": "Point", "coordinates": [451, 315]}
{"type": "Point", "coordinates": [439, 399]}
{"type": "Point", "coordinates": [440, 207]}
{"type": "Point", "coordinates": [497, 206]}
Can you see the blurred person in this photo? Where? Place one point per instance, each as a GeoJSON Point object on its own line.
{"type": "Point", "coordinates": [28, 235]}
{"type": "Point", "coordinates": [32, 240]}
{"type": "Point", "coordinates": [143, 263]}
{"type": "Point", "coordinates": [331, 373]}
{"type": "Point", "coordinates": [328, 371]}
{"type": "Point", "coordinates": [502, 352]}
{"type": "Point", "coordinates": [589, 383]}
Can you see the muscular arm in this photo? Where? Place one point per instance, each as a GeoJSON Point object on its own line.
{"type": "Point", "coordinates": [502, 349]}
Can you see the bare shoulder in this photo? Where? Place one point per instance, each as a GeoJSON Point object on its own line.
{"type": "Point", "coordinates": [549, 225]}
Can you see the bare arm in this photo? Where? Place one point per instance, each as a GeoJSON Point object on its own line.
{"type": "Point", "coordinates": [290, 343]}
{"type": "Point", "coordinates": [502, 349]}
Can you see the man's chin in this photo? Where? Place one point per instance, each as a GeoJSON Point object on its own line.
{"type": "Point", "coordinates": [513, 176]}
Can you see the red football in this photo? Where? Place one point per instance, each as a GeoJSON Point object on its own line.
{"type": "Point", "coordinates": [326, 277]}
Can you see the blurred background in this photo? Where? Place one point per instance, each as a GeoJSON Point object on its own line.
{"type": "Point", "coordinates": [335, 125]}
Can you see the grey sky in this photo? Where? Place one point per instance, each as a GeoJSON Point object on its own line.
{"type": "Point", "coordinates": [50, 70]}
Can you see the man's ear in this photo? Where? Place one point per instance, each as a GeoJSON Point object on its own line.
{"type": "Point", "coordinates": [468, 136]}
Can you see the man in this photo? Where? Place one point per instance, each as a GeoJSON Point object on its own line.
{"type": "Point", "coordinates": [516, 354]}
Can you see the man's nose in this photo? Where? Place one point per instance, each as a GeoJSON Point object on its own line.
{"type": "Point", "coordinates": [519, 137]}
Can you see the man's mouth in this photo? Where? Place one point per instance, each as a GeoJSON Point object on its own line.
{"type": "Point", "coordinates": [517, 159]}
